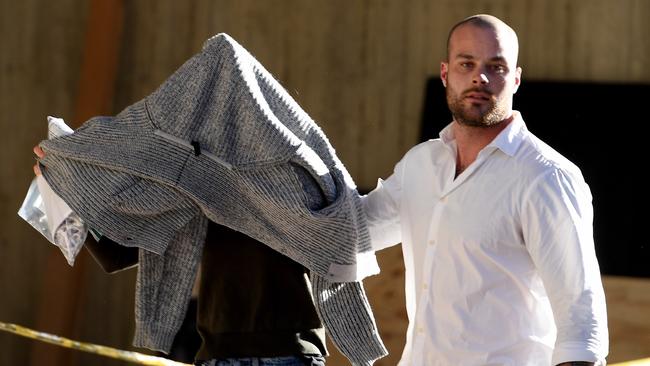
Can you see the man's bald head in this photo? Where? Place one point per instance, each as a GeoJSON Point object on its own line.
{"type": "Point", "coordinates": [501, 29]}
{"type": "Point", "coordinates": [481, 58]}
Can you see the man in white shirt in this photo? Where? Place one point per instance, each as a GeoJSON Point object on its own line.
{"type": "Point", "coordinates": [495, 226]}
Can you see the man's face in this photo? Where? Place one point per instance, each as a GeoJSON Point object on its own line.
{"type": "Point", "coordinates": [481, 75]}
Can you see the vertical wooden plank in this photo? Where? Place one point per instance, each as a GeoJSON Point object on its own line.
{"type": "Point", "coordinates": [628, 301]}
{"type": "Point", "coordinates": [637, 41]}
{"type": "Point", "coordinates": [100, 60]}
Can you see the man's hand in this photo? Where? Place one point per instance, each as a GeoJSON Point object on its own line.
{"type": "Point", "coordinates": [40, 154]}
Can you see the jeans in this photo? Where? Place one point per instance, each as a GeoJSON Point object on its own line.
{"type": "Point", "coordinates": [266, 361]}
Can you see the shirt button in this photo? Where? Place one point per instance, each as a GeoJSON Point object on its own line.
{"type": "Point", "coordinates": [420, 330]}
{"type": "Point", "coordinates": [425, 286]}
{"type": "Point", "coordinates": [431, 242]}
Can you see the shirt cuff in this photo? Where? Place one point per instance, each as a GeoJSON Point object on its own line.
{"type": "Point", "coordinates": [579, 351]}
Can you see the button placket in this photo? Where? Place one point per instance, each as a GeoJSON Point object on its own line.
{"type": "Point", "coordinates": [430, 250]}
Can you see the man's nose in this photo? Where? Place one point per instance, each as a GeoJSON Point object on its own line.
{"type": "Point", "coordinates": [480, 78]}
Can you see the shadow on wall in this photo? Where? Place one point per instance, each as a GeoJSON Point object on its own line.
{"type": "Point", "coordinates": [598, 127]}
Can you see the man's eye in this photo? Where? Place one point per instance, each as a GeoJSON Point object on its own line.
{"type": "Point", "coordinates": [466, 65]}
{"type": "Point", "coordinates": [500, 69]}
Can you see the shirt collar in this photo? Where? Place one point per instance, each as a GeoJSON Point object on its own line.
{"type": "Point", "coordinates": [507, 140]}
{"type": "Point", "coordinates": [511, 137]}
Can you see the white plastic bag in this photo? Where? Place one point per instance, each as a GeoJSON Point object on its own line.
{"type": "Point", "coordinates": [46, 212]}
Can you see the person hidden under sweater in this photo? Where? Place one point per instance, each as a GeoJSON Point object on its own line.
{"type": "Point", "coordinates": [220, 140]}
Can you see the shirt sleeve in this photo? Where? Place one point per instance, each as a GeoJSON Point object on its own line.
{"type": "Point", "coordinates": [382, 207]}
{"type": "Point", "coordinates": [557, 219]}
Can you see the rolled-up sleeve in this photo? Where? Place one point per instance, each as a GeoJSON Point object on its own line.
{"type": "Point", "coordinates": [557, 225]}
{"type": "Point", "coordinates": [382, 207]}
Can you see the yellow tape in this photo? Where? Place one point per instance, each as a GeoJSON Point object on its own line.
{"type": "Point", "coordinates": [129, 356]}
{"type": "Point", "coordinates": [142, 359]}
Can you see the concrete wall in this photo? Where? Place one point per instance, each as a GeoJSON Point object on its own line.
{"type": "Point", "coordinates": [358, 67]}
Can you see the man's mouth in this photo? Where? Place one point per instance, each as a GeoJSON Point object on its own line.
{"type": "Point", "coordinates": [476, 96]}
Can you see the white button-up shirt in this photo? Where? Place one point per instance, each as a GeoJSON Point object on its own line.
{"type": "Point", "coordinates": [500, 261]}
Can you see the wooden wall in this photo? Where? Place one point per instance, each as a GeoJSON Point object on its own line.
{"type": "Point", "coordinates": [628, 314]}
{"type": "Point", "coordinates": [357, 66]}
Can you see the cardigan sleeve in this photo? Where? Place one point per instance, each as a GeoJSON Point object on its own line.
{"type": "Point", "coordinates": [346, 314]}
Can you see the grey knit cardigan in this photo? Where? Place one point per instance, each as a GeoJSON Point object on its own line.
{"type": "Point", "coordinates": [220, 140]}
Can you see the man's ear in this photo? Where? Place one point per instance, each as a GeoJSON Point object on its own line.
{"type": "Point", "coordinates": [444, 69]}
{"type": "Point", "coordinates": [517, 79]}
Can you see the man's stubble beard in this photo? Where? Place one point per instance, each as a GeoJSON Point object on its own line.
{"type": "Point", "coordinates": [496, 112]}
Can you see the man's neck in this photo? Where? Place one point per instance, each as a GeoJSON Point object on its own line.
{"type": "Point", "coordinates": [471, 140]}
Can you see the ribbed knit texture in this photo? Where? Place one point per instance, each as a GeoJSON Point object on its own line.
{"type": "Point", "coordinates": [344, 308]}
{"type": "Point", "coordinates": [164, 286]}
{"type": "Point", "coordinates": [220, 140]}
